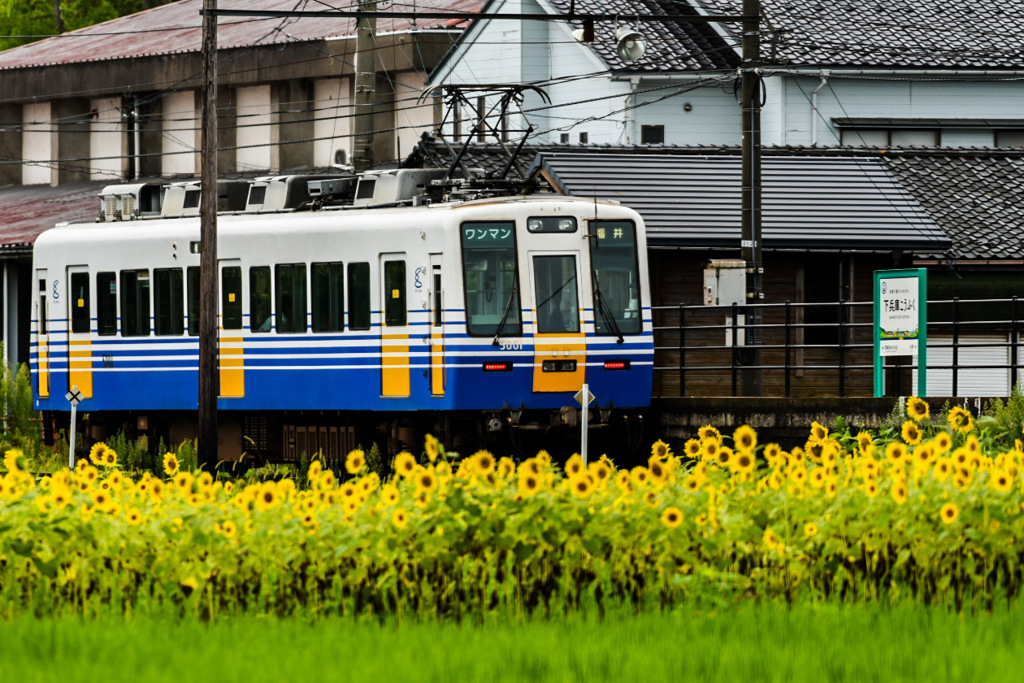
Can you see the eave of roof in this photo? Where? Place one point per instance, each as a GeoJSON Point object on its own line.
{"type": "Point", "coordinates": [28, 210]}
{"type": "Point", "coordinates": [177, 29]}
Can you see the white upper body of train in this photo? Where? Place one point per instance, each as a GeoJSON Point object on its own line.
{"type": "Point", "coordinates": [487, 304]}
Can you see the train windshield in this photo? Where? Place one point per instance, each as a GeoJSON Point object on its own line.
{"type": "Point", "coordinates": [491, 278]}
{"type": "Point", "coordinates": [616, 278]}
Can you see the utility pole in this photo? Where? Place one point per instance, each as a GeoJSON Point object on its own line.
{"type": "Point", "coordinates": [366, 85]}
{"type": "Point", "coordinates": [751, 376]}
{"type": "Point", "coordinates": [208, 378]}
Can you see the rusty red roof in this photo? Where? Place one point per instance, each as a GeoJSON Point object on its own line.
{"type": "Point", "coordinates": [28, 210]}
{"type": "Point", "coordinates": [177, 28]}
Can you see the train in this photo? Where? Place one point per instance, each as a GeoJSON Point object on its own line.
{"type": "Point", "coordinates": [378, 309]}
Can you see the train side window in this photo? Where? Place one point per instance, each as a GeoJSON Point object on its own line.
{"type": "Point", "coordinates": [290, 300]}
{"type": "Point", "coordinates": [80, 303]}
{"type": "Point", "coordinates": [168, 302]}
{"type": "Point", "coordinates": [328, 297]}
{"type": "Point", "coordinates": [394, 293]}
{"type": "Point", "coordinates": [260, 316]}
{"type": "Point", "coordinates": [359, 296]}
{"type": "Point", "coordinates": [231, 297]}
{"type": "Point", "coordinates": [193, 300]}
{"type": "Point", "coordinates": [135, 303]}
{"type": "Point", "coordinates": [106, 303]}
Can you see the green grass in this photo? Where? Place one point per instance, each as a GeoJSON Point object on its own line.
{"type": "Point", "coordinates": [767, 642]}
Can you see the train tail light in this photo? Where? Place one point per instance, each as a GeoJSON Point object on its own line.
{"type": "Point", "coordinates": [497, 367]}
{"type": "Point", "coordinates": [616, 365]}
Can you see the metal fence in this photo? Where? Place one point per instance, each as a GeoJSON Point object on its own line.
{"type": "Point", "coordinates": [827, 349]}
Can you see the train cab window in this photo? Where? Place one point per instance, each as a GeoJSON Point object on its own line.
{"type": "Point", "coordinates": [168, 302]}
{"type": "Point", "coordinates": [328, 297]}
{"type": "Point", "coordinates": [192, 274]}
{"type": "Point", "coordinates": [491, 278]}
{"type": "Point", "coordinates": [290, 299]}
{"type": "Point", "coordinates": [359, 296]}
{"type": "Point", "coordinates": [106, 303]}
{"type": "Point", "coordinates": [557, 294]}
{"type": "Point", "coordinates": [134, 303]}
{"type": "Point", "coordinates": [615, 278]}
{"type": "Point", "coordinates": [260, 316]}
{"type": "Point", "coordinates": [231, 297]}
{"type": "Point", "coordinates": [80, 303]}
{"type": "Point", "coordinates": [394, 294]}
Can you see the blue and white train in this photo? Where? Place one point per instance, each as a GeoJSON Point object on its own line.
{"type": "Point", "coordinates": [461, 317]}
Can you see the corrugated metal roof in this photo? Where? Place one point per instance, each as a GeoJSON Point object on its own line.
{"type": "Point", "coordinates": [807, 202]}
{"type": "Point", "coordinates": [177, 28]}
{"type": "Point", "coordinates": [28, 210]}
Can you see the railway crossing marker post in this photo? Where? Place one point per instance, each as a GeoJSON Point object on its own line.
{"type": "Point", "coordinates": [74, 397]}
{"type": "Point", "coordinates": [585, 398]}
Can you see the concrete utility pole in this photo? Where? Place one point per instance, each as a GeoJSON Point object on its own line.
{"type": "Point", "coordinates": [366, 86]}
{"type": "Point", "coordinates": [208, 377]}
{"type": "Point", "coordinates": [751, 195]}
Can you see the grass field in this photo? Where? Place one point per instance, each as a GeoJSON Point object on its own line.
{"type": "Point", "coordinates": [766, 642]}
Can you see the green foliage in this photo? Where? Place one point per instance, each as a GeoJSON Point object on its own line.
{"type": "Point", "coordinates": [27, 20]}
{"type": "Point", "coordinates": [1002, 422]}
{"type": "Point", "coordinates": [375, 461]}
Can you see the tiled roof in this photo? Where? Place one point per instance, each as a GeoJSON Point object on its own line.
{"type": "Point", "coordinates": [177, 28]}
{"type": "Point", "coordinates": [808, 202]}
{"type": "Point", "coordinates": [671, 46]}
{"type": "Point", "coordinates": [959, 34]}
{"type": "Point", "coordinates": [976, 197]}
{"type": "Point", "coordinates": [28, 210]}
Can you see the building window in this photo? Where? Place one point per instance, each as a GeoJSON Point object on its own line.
{"type": "Point", "coordinates": [652, 135]}
{"type": "Point", "coordinates": [564, 138]}
{"type": "Point", "coordinates": [584, 138]}
{"type": "Point", "coordinates": [1010, 138]}
{"type": "Point", "coordinates": [881, 138]}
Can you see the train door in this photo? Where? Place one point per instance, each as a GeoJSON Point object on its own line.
{"type": "Point", "coordinates": [230, 352]}
{"type": "Point", "coordinates": [394, 329]}
{"type": "Point", "coordinates": [42, 337]}
{"type": "Point", "coordinates": [560, 347]}
{"type": "Point", "coordinates": [79, 331]}
{"type": "Point", "coordinates": [436, 327]}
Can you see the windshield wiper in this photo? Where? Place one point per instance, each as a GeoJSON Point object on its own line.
{"type": "Point", "coordinates": [504, 315]}
{"type": "Point", "coordinates": [606, 312]}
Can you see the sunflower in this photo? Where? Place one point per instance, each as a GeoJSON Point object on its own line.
{"type": "Point", "coordinates": [601, 471]}
{"type": "Point", "coordinates": [771, 541]}
{"type": "Point", "coordinates": [405, 464]}
{"type": "Point", "coordinates": [1001, 481]}
{"type": "Point", "coordinates": [639, 475]}
{"type": "Point", "coordinates": [724, 457]}
{"type": "Point", "coordinates": [355, 461]}
{"type": "Point", "coordinates": [171, 464]}
{"type": "Point", "coordinates": [399, 519]}
{"type": "Point", "coordinates": [772, 453]}
{"type": "Point", "coordinates": [896, 452]}
{"type": "Point", "coordinates": [709, 449]}
{"type": "Point", "coordinates": [692, 448]}
{"type": "Point", "coordinates": [581, 485]}
{"type": "Point", "coordinates": [943, 468]}
{"type": "Point", "coordinates": [708, 432]}
{"type": "Point", "coordinates": [871, 488]}
{"type": "Point", "coordinates": [624, 481]}
{"type": "Point", "coordinates": [651, 498]}
{"type": "Point", "coordinates": [315, 468]}
{"type": "Point", "coordinates": [432, 447]}
{"type": "Point", "coordinates": [660, 450]}
{"type": "Point", "coordinates": [899, 492]}
{"type": "Point", "coordinates": [267, 496]}
{"type": "Point", "coordinates": [972, 444]}
{"type": "Point", "coordinates": [672, 517]}
{"type": "Point", "coordinates": [865, 442]}
{"type": "Point", "coordinates": [819, 432]}
{"type": "Point", "coordinates": [911, 434]}
{"type": "Point", "coordinates": [744, 438]}
{"type": "Point", "coordinates": [692, 484]}
{"type": "Point", "coordinates": [529, 484]}
{"type": "Point", "coordinates": [483, 462]}
{"type": "Point", "coordinates": [960, 420]}
{"type": "Point", "coordinates": [425, 479]}
{"type": "Point", "coordinates": [96, 453]}
{"type": "Point", "coordinates": [506, 468]}
{"type": "Point", "coordinates": [949, 513]}
{"type": "Point", "coordinates": [389, 494]}
{"type": "Point", "coordinates": [917, 408]}
{"type": "Point", "coordinates": [657, 469]}
{"type": "Point", "coordinates": [110, 457]}
{"type": "Point", "coordinates": [810, 529]}
{"type": "Point", "coordinates": [229, 529]}
{"type": "Point", "coordinates": [744, 462]}
{"type": "Point", "coordinates": [574, 465]}
{"type": "Point", "coordinates": [943, 442]}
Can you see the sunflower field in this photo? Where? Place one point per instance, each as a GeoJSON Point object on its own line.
{"type": "Point", "coordinates": [928, 513]}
